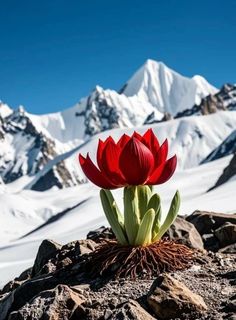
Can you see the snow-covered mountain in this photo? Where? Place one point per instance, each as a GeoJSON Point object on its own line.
{"type": "Point", "coordinates": [39, 146]}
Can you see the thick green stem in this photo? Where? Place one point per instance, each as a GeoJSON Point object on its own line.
{"type": "Point", "coordinates": [131, 213]}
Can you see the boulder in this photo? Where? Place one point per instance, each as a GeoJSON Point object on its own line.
{"type": "Point", "coordinates": [130, 310]}
{"type": "Point", "coordinates": [207, 222]}
{"type": "Point", "coordinates": [59, 303]}
{"type": "Point", "coordinates": [47, 250]}
{"type": "Point", "coordinates": [226, 234]}
{"type": "Point", "coordinates": [168, 298]}
{"type": "Point", "coordinates": [186, 233]}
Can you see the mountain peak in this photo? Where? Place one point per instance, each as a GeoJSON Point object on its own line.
{"type": "Point", "coordinates": [5, 110]}
{"type": "Point", "coordinates": [165, 89]}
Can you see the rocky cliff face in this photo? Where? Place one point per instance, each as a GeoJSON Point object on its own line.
{"type": "Point", "coordinates": [224, 99]}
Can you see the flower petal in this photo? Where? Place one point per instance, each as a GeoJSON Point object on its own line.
{"type": "Point", "coordinates": [150, 140]}
{"type": "Point", "coordinates": [101, 147]}
{"type": "Point", "coordinates": [137, 136]}
{"type": "Point", "coordinates": [161, 154]}
{"type": "Point", "coordinates": [156, 174]}
{"type": "Point", "coordinates": [110, 163]}
{"type": "Point", "coordinates": [123, 140]}
{"type": "Point", "coordinates": [93, 174]}
{"type": "Point", "coordinates": [168, 170]}
{"type": "Point", "coordinates": [136, 162]}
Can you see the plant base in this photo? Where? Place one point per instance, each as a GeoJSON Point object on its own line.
{"type": "Point", "coordinates": [111, 258]}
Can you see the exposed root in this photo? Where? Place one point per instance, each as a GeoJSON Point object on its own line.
{"type": "Point", "coordinates": [128, 261]}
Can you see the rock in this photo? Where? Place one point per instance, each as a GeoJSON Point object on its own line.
{"type": "Point", "coordinates": [226, 234]}
{"type": "Point", "coordinates": [185, 232]}
{"type": "Point", "coordinates": [100, 234]}
{"type": "Point", "coordinates": [25, 275]}
{"type": "Point", "coordinates": [132, 311]}
{"type": "Point", "coordinates": [210, 242]}
{"type": "Point", "coordinates": [207, 222]}
{"type": "Point", "coordinates": [59, 303]}
{"type": "Point", "coordinates": [47, 250]}
{"type": "Point", "coordinates": [168, 298]}
{"type": "Point", "coordinates": [229, 249]}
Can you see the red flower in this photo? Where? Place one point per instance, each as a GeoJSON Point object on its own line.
{"type": "Point", "coordinates": [135, 160]}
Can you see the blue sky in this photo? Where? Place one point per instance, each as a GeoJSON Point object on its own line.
{"type": "Point", "coordinates": [53, 52]}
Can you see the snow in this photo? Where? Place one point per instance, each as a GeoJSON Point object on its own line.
{"type": "Point", "coordinates": [5, 110]}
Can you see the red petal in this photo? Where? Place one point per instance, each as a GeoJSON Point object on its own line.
{"type": "Point", "coordinates": [150, 140]}
{"type": "Point", "coordinates": [156, 174]}
{"type": "Point", "coordinates": [101, 147]}
{"type": "Point", "coordinates": [110, 163]}
{"type": "Point", "coordinates": [93, 174]}
{"type": "Point", "coordinates": [137, 136]}
{"type": "Point", "coordinates": [168, 170]}
{"type": "Point", "coordinates": [136, 162]}
{"type": "Point", "coordinates": [123, 140]}
{"type": "Point", "coordinates": [161, 154]}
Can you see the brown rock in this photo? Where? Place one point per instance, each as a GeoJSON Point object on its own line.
{"type": "Point", "coordinates": [132, 311]}
{"type": "Point", "coordinates": [47, 250]}
{"type": "Point", "coordinates": [226, 234]}
{"type": "Point", "coordinates": [78, 247]}
{"type": "Point", "coordinates": [168, 298]}
{"type": "Point", "coordinates": [206, 222]}
{"type": "Point", "coordinates": [185, 232]}
{"type": "Point", "coordinates": [59, 303]}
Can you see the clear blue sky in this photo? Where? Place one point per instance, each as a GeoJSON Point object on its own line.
{"type": "Point", "coordinates": [53, 52]}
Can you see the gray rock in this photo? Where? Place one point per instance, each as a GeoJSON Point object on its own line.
{"type": "Point", "coordinates": [168, 298]}
{"type": "Point", "coordinates": [226, 234]}
{"type": "Point", "coordinates": [207, 222]}
{"type": "Point", "coordinates": [186, 233]}
{"type": "Point", "coordinates": [59, 303]}
{"type": "Point", "coordinates": [132, 311]}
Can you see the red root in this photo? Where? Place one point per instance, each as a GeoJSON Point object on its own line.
{"type": "Point", "coordinates": [142, 261]}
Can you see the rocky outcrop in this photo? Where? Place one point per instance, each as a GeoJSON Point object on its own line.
{"type": "Point", "coordinates": [224, 99]}
{"type": "Point", "coordinates": [58, 286]}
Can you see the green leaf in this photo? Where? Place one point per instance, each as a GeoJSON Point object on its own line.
{"type": "Point", "coordinates": [113, 215]}
{"type": "Point", "coordinates": [144, 236]}
{"type": "Point", "coordinates": [144, 194]}
{"type": "Point", "coordinates": [171, 216]}
{"type": "Point", "coordinates": [155, 203]}
{"type": "Point", "coordinates": [114, 205]}
{"type": "Point", "coordinates": [131, 213]}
